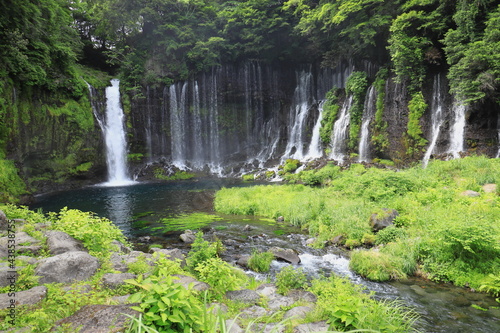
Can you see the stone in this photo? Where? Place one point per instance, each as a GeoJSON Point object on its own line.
{"type": "Point", "coordinates": [320, 326]}
{"type": "Point", "coordinates": [67, 267]}
{"type": "Point", "coordinates": [28, 260]}
{"type": "Point", "coordinates": [490, 188]}
{"type": "Point", "coordinates": [118, 262]}
{"type": "Point", "coordinates": [174, 254]}
{"type": "Point", "coordinates": [121, 247]}
{"type": "Point", "coordinates": [188, 237]}
{"type": "Point", "coordinates": [470, 194]}
{"type": "Point", "coordinates": [98, 318]}
{"type": "Point", "coordinates": [218, 308]}
{"type": "Point", "coordinates": [279, 302]}
{"type": "Point", "coordinates": [310, 241]}
{"type": "Point", "coordinates": [247, 228]}
{"type": "Point", "coordinates": [3, 221]}
{"type": "Point", "coordinates": [27, 297]}
{"type": "Point", "coordinates": [379, 221]}
{"type": "Point", "coordinates": [186, 281]}
{"type": "Point", "coordinates": [233, 327]}
{"type": "Point", "coordinates": [7, 276]}
{"type": "Point", "coordinates": [280, 219]}
{"type": "Point", "coordinates": [254, 312]}
{"type": "Point", "coordinates": [267, 290]}
{"type": "Point", "coordinates": [337, 240]}
{"type": "Point", "coordinates": [60, 242]}
{"type": "Point", "coordinates": [3, 253]}
{"type": "Point", "coordinates": [287, 255]}
{"type": "Point", "coordinates": [113, 281]}
{"type": "Point", "coordinates": [268, 328]}
{"type": "Point", "coordinates": [302, 295]}
{"type": "Point", "coordinates": [121, 299]}
{"type": "Point", "coordinates": [299, 312]}
{"type": "Point", "coordinates": [243, 260]}
{"type": "Point", "coordinates": [245, 296]}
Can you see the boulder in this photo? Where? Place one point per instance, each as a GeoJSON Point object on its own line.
{"type": "Point", "coordinates": [174, 254]}
{"type": "Point", "coordinates": [302, 295]}
{"type": "Point", "coordinates": [267, 290]}
{"type": "Point", "coordinates": [121, 247]}
{"type": "Point", "coordinates": [3, 221]}
{"type": "Point", "coordinates": [7, 276]}
{"type": "Point", "coordinates": [114, 281]}
{"type": "Point", "coordinates": [379, 221]}
{"type": "Point", "coordinates": [470, 194]}
{"type": "Point", "coordinates": [187, 280]}
{"type": "Point", "coordinates": [490, 188]}
{"type": "Point", "coordinates": [26, 297]}
{"type": "Point", "coordinates": [233, 327]}
{"type": "Point", "coordinates": [67, 267]}
{"type": "Point", "coordinates": [298, 312]}
{"type": "Point", "coordinates": [279, 302]}
{"type": "Point", "coordinates": [254, 311]}
{"type": "Point", "coordinates": [320, 326]}
{"type": "Point", "coordinates": [243, 260]}
{"type": "Point", "coordinates": [98, 319]}
{"type": "Point", "coordinates": [188, 237]}
{"type": "Point", "coordinates": [25, 244]}
{"type": "Point", "coordinates": [287, 255]}
{"type": "Point", "coordinates": [245, 296]}
{"type": "Point", "coordinates": [60, 242]}
{"type": "Point", "coordinates": [268, 327]}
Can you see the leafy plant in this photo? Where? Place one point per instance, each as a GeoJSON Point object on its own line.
{"type": "Point", "coordinates": [220, 275]}
{"type": "Point", "coordinates": [260, 261]}
{"type": "Point", "coordinates": [165, 305]}
{"type": "Point", "coordinates": [201, 251]}
{"type": "Point", "coordinates": [290, 278]}
{"type": "Point", "coordinates": [390, 234]}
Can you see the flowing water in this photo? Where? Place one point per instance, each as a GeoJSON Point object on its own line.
{"type": "Point", "coordinates": [341, 132]}
{"type": "Point", "coordinates": [457, 130]}
{"type": "Point", "coordinates": [148, 209]}
{"type": "Point", "coordinates": [368, 114]}
{"type": "Point", "coordinates": [437, 119]}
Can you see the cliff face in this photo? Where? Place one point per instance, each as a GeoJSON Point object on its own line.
{"type": "Point", "coordinates": [241, 117]}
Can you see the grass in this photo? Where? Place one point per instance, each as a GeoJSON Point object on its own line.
{"type": "Point", "coordinates": [450, 237]}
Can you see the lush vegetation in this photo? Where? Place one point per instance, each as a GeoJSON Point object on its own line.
{"type": "Point", "coordinates": [439, 231]}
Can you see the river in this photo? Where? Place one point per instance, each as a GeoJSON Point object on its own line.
{"type": "Point", "coordinates": [160, 211]}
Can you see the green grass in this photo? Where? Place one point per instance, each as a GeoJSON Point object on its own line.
{"type": "Point", "coordinates": [450, 237]}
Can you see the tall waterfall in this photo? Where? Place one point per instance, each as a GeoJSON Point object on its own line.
{"type": "Point", "coordinates": [368, 113]}
{"type": "Point", "coordinates": [457, 130]}
{"type": "Point", "coordinates": [341, 131]}
{"type": "Point", "coordinates": [437, 119]}
{"type": "Point", "coordinates": [114, 137]}
{"type": "Point", "coordinates": [300, 110]}
{"type": "Point", "coordinates": [315, 150]}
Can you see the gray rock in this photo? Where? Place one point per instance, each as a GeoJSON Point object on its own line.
{"type": "Point", "coordinates": [247, 228]}
{"type": "Point", "coordinates": [298, 312]}
{"type": "Point", "coordinates": [268, 328]}
{"type": "Point", "coordinates": [114, 281]}
{"type": "Point", "coordinates": [254, 312]}
{"type": "Point", "coordinates": [25, 244]}
{"type": "Point", "coordinates": [28, 260]}
{"type": "Point", "coordinates": [186, 281]}
{"type": "Point", "coordinates": [302, 295]}
{"type": "Point", "coordinates": [243, 260]}
{"type": "Point", "coordinates": [233, 327]}
{"type": "Point", "coordinates": [320, 326]}
{"type": "Point", "coordinates": [267, 290]}
{"type": "Point", "coordinates": [3, 253]}
{"type": "Point", "coordinates": [337, 240]}
{"type": "Point", "coordinates": [279, 302]}
{"type": "Point", "coordinates": [310, 241]}
{"type": "Point", "coordinates": [60, 242]}
{"type": "Point", "coordinates": [26, 297]}
{"type": "Point", "coordinates": [98, 319]}
{"type": "Point", "coordinates": [67, 267]}
{"type": "Point", "coordinates": [118, 262]}
{"type": "Point", "coordinates": [3, 221]}
{"type": "Point", "coordinates": [188, 237]}
{"type": "Point", "coordinates": [174, 254]}
{"type": "Point", "coordinates": [246, 296]}
{"type": "Point", "coordinates": [490, 188]}
{"type": "Point", "coordinates": [379, 221]}
{"type": "Point", "coordinates": [218, 308]}
{"type": "Point", "coordinates": [121, 247]}
{"type": "Point", "coordinates": [287, 255]}
{"type": "Point", "coordinates": [121, 299]}
{"type": "Point", "coordinates": [8, 276]}
{"type": "Point", "coordinates": [470, 194]}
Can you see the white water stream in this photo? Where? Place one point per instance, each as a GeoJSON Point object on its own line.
{"type": "Point", "coordinates": [437, 119]}
{"type": "Point", "coordinates": [368, 113]}
{"type": "Point", "coordinates": [341, 132]}
{"type": "Point", "coordinates": [457, 130]}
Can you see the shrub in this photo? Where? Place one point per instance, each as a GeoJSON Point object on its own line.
{"type": "Point", "coordinates": [377, 266]}
{"type": "Point", "coordinates": [290, 278]}
{"type": "Point", "coordinates": [220, 275]}
{"type": "Point", "coordinates": [260, 261]}
{"type": "Point", "coordinates": [167, 306]}
{"type": "Point", "coordinates": [291, 165]}
{"type": "Point", "coordinates": [201, 251]}
{"type": "Point", "coordinates": [390, 234]}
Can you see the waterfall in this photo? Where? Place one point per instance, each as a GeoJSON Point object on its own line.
{"type": "Point", "coordinates": [114, 135]}
{"type": "Point", "coordinates": [457, 130]}
{"type": "Point", "coordinates": [341, 131]}
{"type": "Point", "coordinates": [368, 113]}
{"type": "Point", "coordinates": [315, 150]}
{"type": "Point", "coordinates": [300, 111]}
{"type": "Point", "coordinates": [437, 118]}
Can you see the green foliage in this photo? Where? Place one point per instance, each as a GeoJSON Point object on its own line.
{"type": "Point", "coordinates": [201, 251]}
{"type": "Point", "coordinates": [94, 232]}
{"type": "Point", "coordinates": [139, 266]}
{"type": "Point", "coordinates": [260, 261]}
{"type": "Point", "coordinates": [356, 86]}
{"type": "Point", "coordinates": [291, 165]}
{"type": "Point", "coordinates": [330, 110]}
{"type": "Point", "coordinates": [416, 107]}
{"type": "Point", "coordinates": [390, 234]}
{"type": "Point", "coordinates": [249, 177]}
{"type": "Point", "coordinates": [220, 275]}
{"type": "Point", "coordinates": [346, 307]}
{"type": "Point", "coordinates": [491, 285]}
{"type": "Point", "coordinates": [290, 278]}
{"type": "Point", "coordinates": [376, 266]}
{"type": "Point", "coordinates": [188, 221]}
{"type": "Point", "coordinates": [11, 185]}
{"type": "Point", "coordinates": [159, 173]}
{"type": "Point", "coordinates": [167, 306]}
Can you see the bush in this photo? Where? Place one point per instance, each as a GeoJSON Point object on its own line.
{"type": "Point", "coordinates": [260, 261]}
{"type": "Point", "coordinates": [220, 275]}
{"type": "Point", "coordinates": [291, 165]}
{"type": "Point", "coordinates": [390, 234]}
{"type": "Point", "coordinates": [377, 266]}
{"type": "Point", "coordinates": [201, 251]}
{"type": "Point", "coordinates": [290, 278]}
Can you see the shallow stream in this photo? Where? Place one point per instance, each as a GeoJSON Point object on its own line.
{"type": "Point", "coordinates": [156, 213]}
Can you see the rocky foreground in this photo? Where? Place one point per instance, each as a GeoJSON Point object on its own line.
{"type": "Point", "coordinates": [63, 259]}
